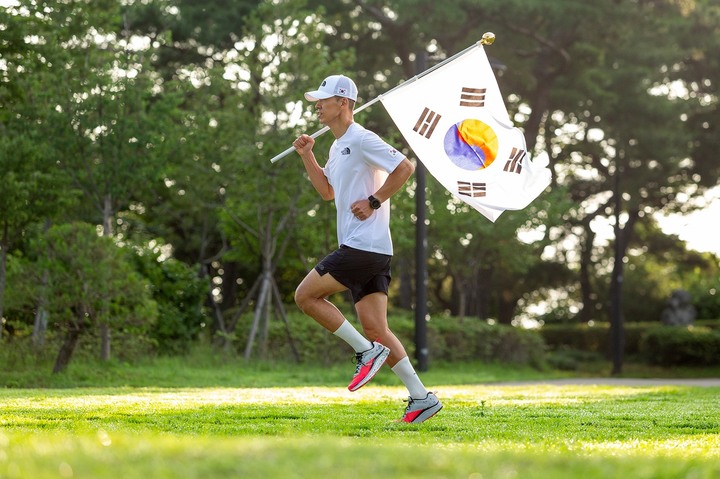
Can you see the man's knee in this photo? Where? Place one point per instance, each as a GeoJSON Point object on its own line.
{"type": "Point", "coordinates": [376, 331]}
{"type": "Point", "coordinates": [305, 297]}
{"type": "Point", "coordinates": [301, 298]}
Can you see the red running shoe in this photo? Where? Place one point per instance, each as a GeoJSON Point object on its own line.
{"type": "Point", "coordinates": [418, 410]}
{"type": "Point", "coordinates": [368, 364]}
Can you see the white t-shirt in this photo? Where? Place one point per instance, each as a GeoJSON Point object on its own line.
{"type": "Point", "coordinates": [359, 163]}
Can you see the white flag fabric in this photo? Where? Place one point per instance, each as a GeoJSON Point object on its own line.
{"type": "Point", "coordinates": [456, 122]}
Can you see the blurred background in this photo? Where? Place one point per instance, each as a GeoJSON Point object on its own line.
{"type": "Point", "coordinates": [140, 214]}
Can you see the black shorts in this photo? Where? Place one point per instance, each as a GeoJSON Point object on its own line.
{"type": "Point", "coordinates": [362, 272]}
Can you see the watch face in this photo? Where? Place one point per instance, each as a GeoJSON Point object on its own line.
{"type": "Point", "coordinates": [374, 203]}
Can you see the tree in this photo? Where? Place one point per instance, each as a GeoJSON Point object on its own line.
{"type": "Point", "coordinates": [259, 224]}
{"type": "Point", "coordinates": [571, 79]}
{"type": "Point", "coordinates": [90, 282]}
{"type": "Point", "coordinates": [413, 28]}
{"type": "Point", "coordinates": [31, 187]}
{"type": "Point", "coordinates": [220, 191]}
{"type": "Point", "coordinates": [107, 122]}
{"type": "Point", "coordinates": [179, 294]}
{"type": "Point", "coordinates": [658, 264]}
{"type": "Point", "coordinates": [695, 76]}
{"type": "Point", "coordinates": [191, 35]}
{"type": "Point", "coordinates": [163, 124]}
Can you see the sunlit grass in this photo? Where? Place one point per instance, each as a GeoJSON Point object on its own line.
{"type": "Point", "coordinates": [535, 431]}
{"type": "Point", "coordinates": [206, 417]}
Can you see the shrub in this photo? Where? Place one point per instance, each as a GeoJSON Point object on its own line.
{"type": "Point", "coordinates": [179, 294]}
{"type": "Point", "coordinates": [454, 340]}
{"type": "Point", "coordinates": [706, 297]}
{"type": "Point", "coordinates": [448, 340]}
{"type": "Point", "coordinates": [89, 284]}
{"type": "Point", "coordinates": [567, 359]}
{"type": "Point", "coordinates": [681, 346]}
{"type": "Point", "coordinates": [579, 337]}
{"type": "Point", "coordinates": [593, 339]}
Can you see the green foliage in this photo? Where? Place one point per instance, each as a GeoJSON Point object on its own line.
{"type": "Point", "coordinates": [161, 115]}
{"type": "Point", "coordinates": [571, 344]}
{"type": "Point", "coordinates": [253, 219]}
{"type": "Point", "coordinates": [179, 294]}
{"type": "Point", "coordinates": [578, 337]}
{"type": "Point", "coordinates": [469, 340]}
{"type": "Point", "coordinates": [448, 340]}
{"type": "Point", "coordinates": [681, 346]}
{"type": "Point", "coordinates": [89, 282]}
{"type": "Point", "coordinates": [705, 291]}
{"type": "Point", "coordinates": [657, 265]}
{"type": "Point", "coordinates": [28, 183]}
{"type": "Point", "coordinates": [568, 359]}
{"type": "Point", "coordinates": [182, 25]}
{"type": "Point", "coordinates": [593, 338]}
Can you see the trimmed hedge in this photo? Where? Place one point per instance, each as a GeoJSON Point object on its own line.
{"type": "Point", "coordinates": [454, 340]}
{"type": "Point", "coordinates": [594, 339]}
{"type": "Point", "coordinates": [681, 346]}
{"type": "Point", "coordinates": [649, 342]}
{"type": "Point", "coordinates": [449, 339]}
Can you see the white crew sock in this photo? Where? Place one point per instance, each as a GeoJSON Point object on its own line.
{"type": "Point", "coordinates": [406, 372]}
{"type": "Point", "coordinates": [352, 336]}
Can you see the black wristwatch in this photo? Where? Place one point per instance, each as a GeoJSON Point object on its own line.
{"type": "Point", "coordinates": [374, 202]}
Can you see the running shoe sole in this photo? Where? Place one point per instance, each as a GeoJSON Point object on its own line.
{"type": "Point", "coordinates": [424, 415]}
{"type": "Point", "coordinates": [376, 365]}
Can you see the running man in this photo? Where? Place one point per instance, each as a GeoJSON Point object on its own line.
{"type": "Point", "coordinates": [361, 175]}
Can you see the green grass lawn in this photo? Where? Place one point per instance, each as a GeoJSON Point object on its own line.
{"type": "Point", "coordinates": [180, 420]}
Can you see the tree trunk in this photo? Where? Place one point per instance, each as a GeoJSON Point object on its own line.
{"type": "Point", "coordinates": [265, 329]}
{"type": "Point", "coordinates": [224, 340]}
{"type": "Point", "coordinates": [550, 64]}
{"type": "Point", "coordinates": [506, 307]}
{"type": "Point", "coordinates": [41, 316]}
{"type": "Point", "coordinates": [40, 327]}
{"type": "Point", "coordinates": [4, 247]}
{"type": "Point", "coordinates": [105, 342]}
{"type": "Point", "coordinates": [105, 328]}
{"type": "Point", "coordinates": [66, 350]}
{"type": "Point", "coordinates": [259, 306]}
{"type": "Point", "coordinates": [3, 266]}
{"type": "Point", "coordinates": [617, 320]}
{"type": "Point", "coordinates": [405, 298]}
{"type": "Point", "coordinates": [231, 273]}
{"type": "Point", "coordinates": [481, 302]}
{"type": "Point", "coordinates": [281, 311]}
{"type": "Point", "coordinates": [586, 291]}
{"type": "Point", "coordinates": [219, 331]}
{"type": "Point", "coordinates": [462, 304]}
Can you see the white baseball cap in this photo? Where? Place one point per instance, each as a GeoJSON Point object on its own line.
{"type": "Point", "coordinates": [334, 85]}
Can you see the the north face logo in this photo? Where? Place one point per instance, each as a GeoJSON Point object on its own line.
{"type": "Point", "coordinates": [345, 151]}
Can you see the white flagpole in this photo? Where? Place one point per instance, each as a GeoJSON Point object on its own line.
{"type": "Point", "coordinates": [487, 39]}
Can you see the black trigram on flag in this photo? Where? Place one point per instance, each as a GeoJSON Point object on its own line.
{"type": "Point", "coordinates": [427, 122]}
{"type": "Point", "coordinates": [473, 97]}
{"type": "Point", "coordinates": [514, 163]}
{"type": "Point", "coordinates": [474, 190]}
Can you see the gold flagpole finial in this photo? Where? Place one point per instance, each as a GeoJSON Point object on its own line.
{"type": "Point", "coordinates": [488, 38]}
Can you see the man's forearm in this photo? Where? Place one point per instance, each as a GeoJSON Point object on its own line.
{"type": "Point", "coordinates": [317, 177]}
{"type": "Point", "coordinates": [395, 180]}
